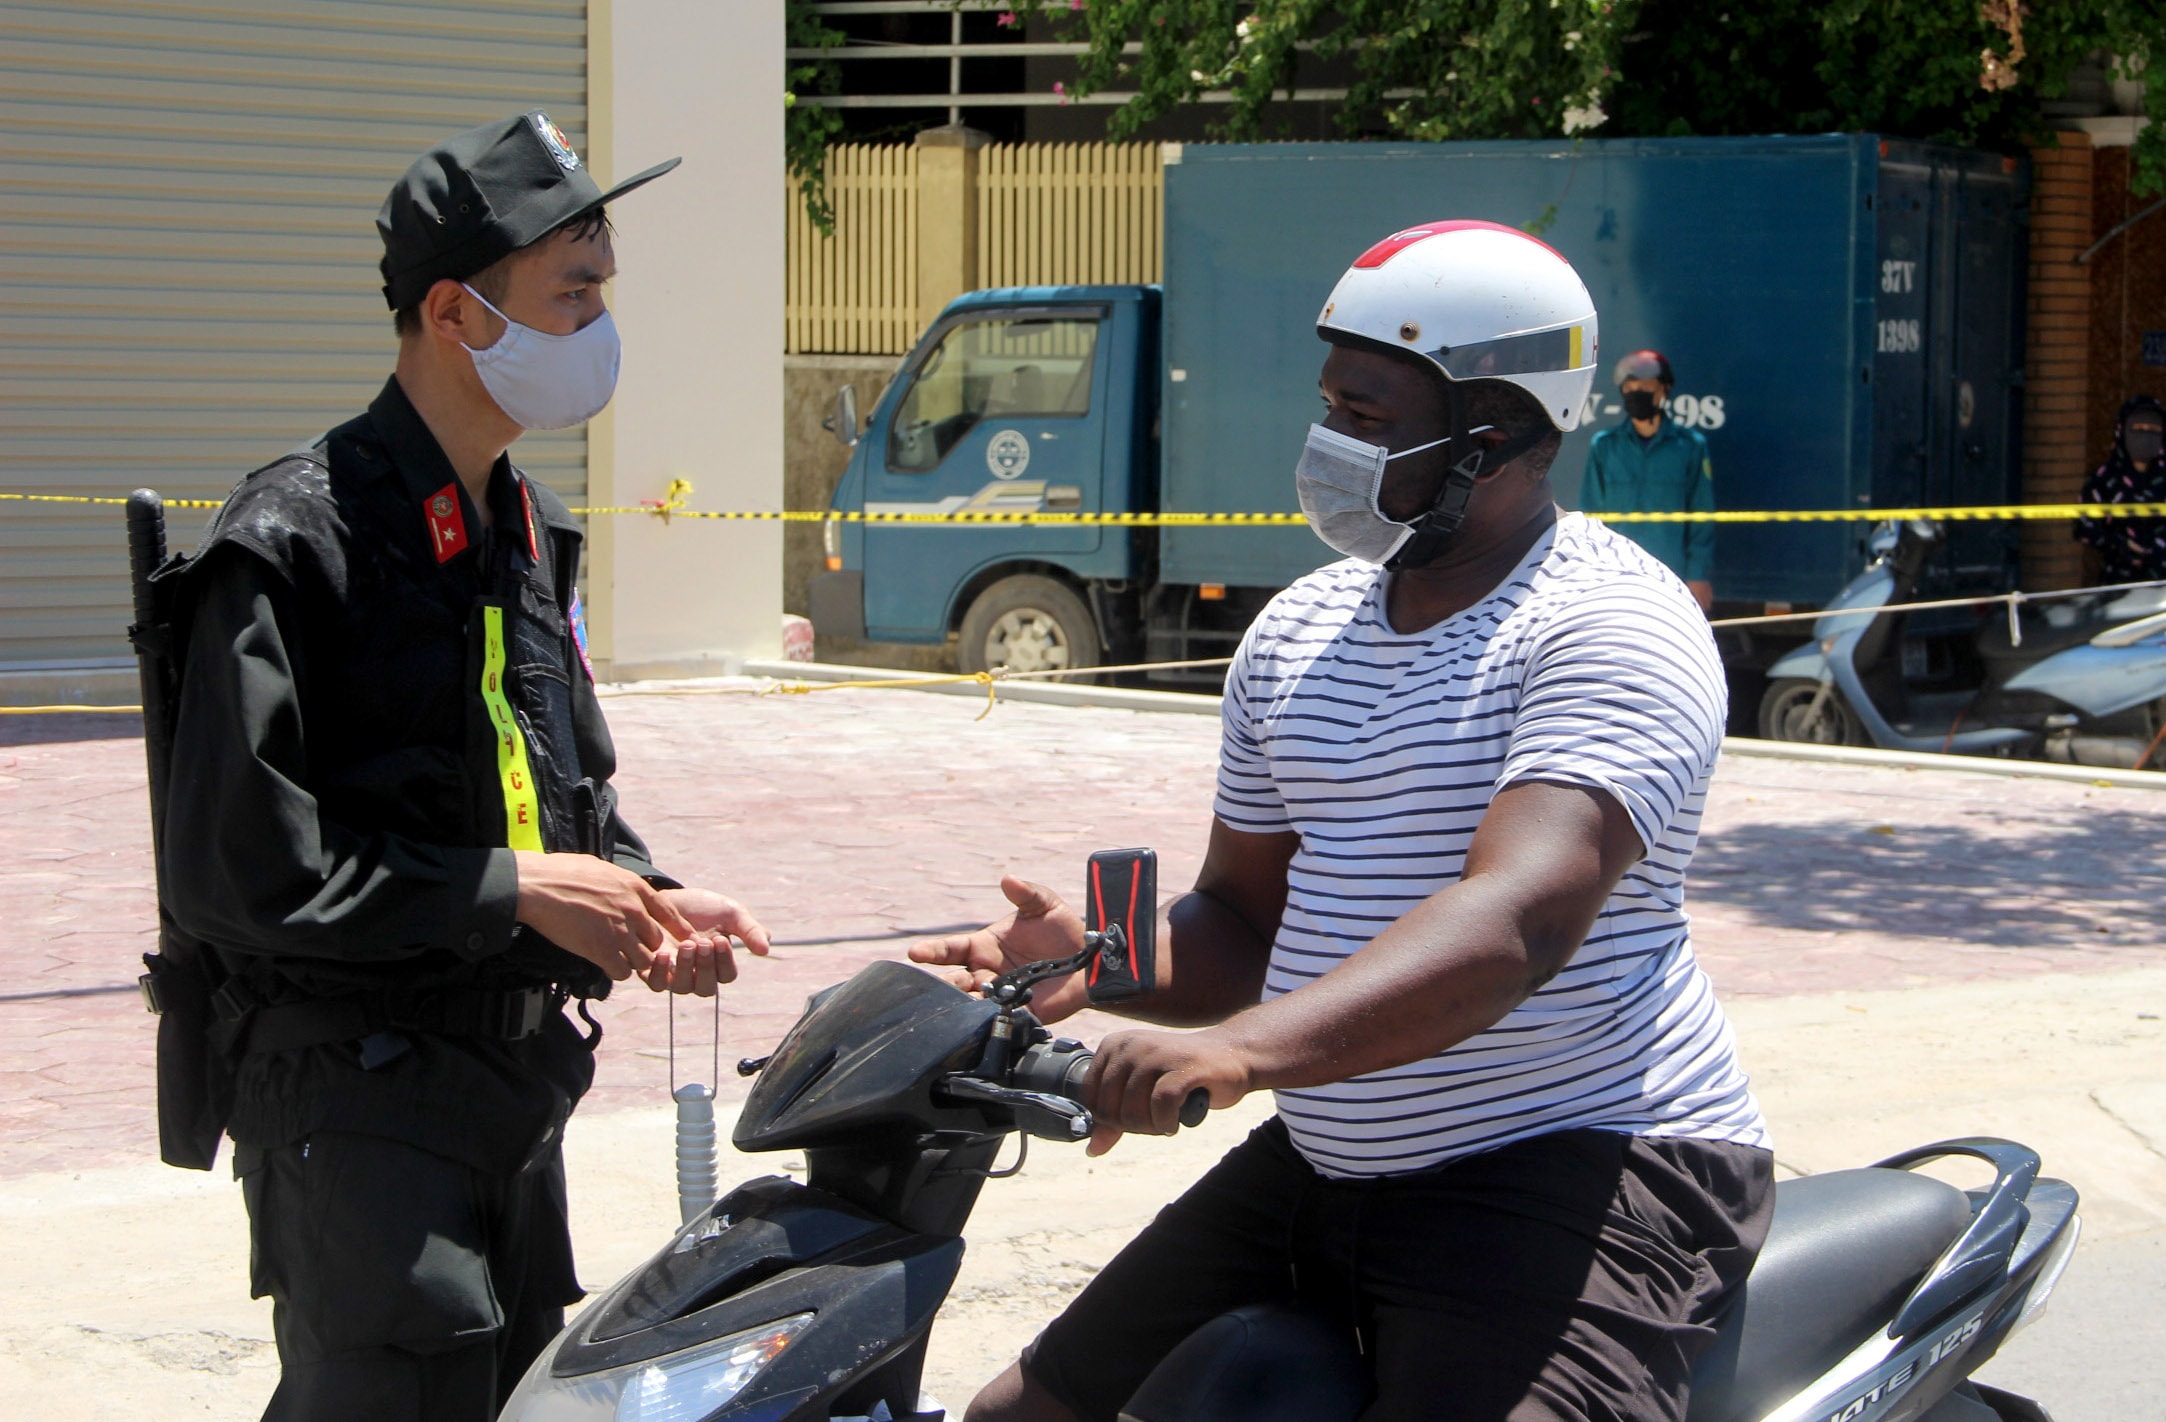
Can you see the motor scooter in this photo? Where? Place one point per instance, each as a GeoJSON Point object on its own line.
{"type": "Point", "coordinates": [2078, 679]}
{"type": "Point", "coordinates": [1879, 1291]}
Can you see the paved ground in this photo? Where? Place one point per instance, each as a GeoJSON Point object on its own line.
{"type": "Point", "coordinates": [1908, 955]}
{"type": "Point", "coordinates": [854, 819]}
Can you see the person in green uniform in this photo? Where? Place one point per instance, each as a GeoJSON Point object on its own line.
{"type": "Point", "coordinates": [1650, 464]}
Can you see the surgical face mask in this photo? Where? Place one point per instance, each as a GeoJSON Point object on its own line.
{"type": "Point", "coordinates": [546, 382]}
{"type": "Point", "coordinates": [2144, 445]}
{"type": "Point", "coordinates": [1642, 404]}
{"type": "Point", "coordinates": [1338, 481]}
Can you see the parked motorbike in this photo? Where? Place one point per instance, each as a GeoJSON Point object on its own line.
{"type": "Point", "coordinates": [2080, 679]}
{"type": "Point", "coordinates": [1878, 1293]}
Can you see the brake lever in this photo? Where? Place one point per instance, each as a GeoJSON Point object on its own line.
{"type": "Point", "coordinates": [1038, 1113]}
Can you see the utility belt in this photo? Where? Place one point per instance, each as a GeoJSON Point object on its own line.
{"type": "Point", "coordinates": [254, 1025]}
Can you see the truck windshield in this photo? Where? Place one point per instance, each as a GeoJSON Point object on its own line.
{"type": "Point", "coordinates": [999, 369]}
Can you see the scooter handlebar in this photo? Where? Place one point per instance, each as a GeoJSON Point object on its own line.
{"type": "Point", "coordinates": [1058, 1068]}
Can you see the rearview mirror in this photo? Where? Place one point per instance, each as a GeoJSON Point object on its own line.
{"type": "Point", "coordinates": [843, 423]}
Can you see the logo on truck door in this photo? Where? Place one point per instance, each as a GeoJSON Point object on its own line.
{"type": "Point", "coordinates": [1007, 454]}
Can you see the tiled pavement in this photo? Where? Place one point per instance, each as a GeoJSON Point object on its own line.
{"type": "Point", "coordinates": [851, 820]}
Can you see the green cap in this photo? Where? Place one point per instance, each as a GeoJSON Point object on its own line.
{"type": "Point", "coordinates": [481, 195]}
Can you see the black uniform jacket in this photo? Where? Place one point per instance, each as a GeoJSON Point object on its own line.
{"type": "Point", "coordinates": [342, 797]}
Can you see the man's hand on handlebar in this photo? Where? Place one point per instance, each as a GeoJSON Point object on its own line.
{"type": "Point", "coordinates": [1041, 927]}
{"type": "Point", "coordinates": [1139, 1080]}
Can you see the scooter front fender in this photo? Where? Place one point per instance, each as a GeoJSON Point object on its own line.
{"type": "Point", "coordinates": [1807, 663]}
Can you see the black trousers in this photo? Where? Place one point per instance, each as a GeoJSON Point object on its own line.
{"type": "Point", "coordinates": [403, 1284]}
{"type": "Point", "coordinates": [1567, 1278]}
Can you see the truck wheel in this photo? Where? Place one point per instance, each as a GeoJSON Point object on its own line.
{"type": "Point", "coordinates": [1786, 714]}
{"type": "Point", "coordinates": [1028, 623]}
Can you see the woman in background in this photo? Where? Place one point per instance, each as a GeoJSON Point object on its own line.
{"type": "Point", "coordinates": [2130, 550]}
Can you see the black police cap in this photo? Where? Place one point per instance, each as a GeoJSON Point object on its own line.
{"type": "Point", "coordinates": [481, 195]}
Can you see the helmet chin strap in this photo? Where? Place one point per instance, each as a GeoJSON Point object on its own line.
{"type": "Point", "coordinates": [1437, 525]}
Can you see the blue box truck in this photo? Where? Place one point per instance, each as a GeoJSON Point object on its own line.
{"type": "Point", "coordinates": [1844, 314]}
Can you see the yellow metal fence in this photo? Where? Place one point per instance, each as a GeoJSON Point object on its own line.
{"type": "Point", "coordinates": [857, 291]}
{"type": "Point", "coordinates": [1047, 213]}
{"type": "Point", "coordinates": [1065, 213]}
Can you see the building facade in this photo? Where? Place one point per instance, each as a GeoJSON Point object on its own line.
{"type": "Point", "coordinates": [187, 199]}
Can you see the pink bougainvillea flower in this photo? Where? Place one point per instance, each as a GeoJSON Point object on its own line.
{"type": "Point", "coordinates": [1005, 18]}
{"type": "Point", "coordinates": [1060, 91]}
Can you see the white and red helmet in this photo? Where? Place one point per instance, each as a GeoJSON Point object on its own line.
{"type": "Point", "coordinates": [1480, 302]}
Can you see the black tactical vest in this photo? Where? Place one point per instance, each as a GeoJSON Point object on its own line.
{"type": "Point", "coordinates": [436, 691]}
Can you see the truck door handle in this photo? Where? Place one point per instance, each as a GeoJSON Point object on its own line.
{"type": "Point", "coordinates": [1063, 496]}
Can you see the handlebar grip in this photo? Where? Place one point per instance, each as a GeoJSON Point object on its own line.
{"type": "Point", "coordinates": [1196, 1107]}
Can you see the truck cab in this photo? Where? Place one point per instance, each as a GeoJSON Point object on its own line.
{"type": "Point", "coordinates": [1018, 399]}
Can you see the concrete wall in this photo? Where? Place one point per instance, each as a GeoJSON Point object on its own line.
{"type": "Point", "coordinates": [700, 305]}
{"type": "Point", "coordinates": [813, 459]}
{"type": "Point", "coordinates": [813, 462]}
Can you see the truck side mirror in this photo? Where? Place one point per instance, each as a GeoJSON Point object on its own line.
{"type": "Point", "coordinates": [843, 423]}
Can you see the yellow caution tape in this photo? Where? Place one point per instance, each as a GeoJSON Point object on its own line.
{"type": "Point", "coordinates": [1001, 517]}
{"type": "Point", "coordinates": [672, 505]}
{"type": "Point", "coordinates": [88, 499]}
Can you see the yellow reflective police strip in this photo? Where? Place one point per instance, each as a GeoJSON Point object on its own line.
{"type": "Point", "coordinates": [1575, 346]}
{"type": "Point", "coordinates": [522, 811]}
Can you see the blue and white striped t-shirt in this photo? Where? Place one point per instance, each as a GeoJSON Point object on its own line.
{"type": "Point", "coordinates": [1589, 665]}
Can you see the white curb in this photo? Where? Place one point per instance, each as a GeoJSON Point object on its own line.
{"type": "Point", "coordinates": [1194, 704]}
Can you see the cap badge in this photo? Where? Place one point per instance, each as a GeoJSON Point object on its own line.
{"type": "Point", "coordinates": [560, 147]}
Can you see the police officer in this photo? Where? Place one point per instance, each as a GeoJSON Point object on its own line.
{"type": "Point", "coordinates": [1650, 464]}
{"type": "Point", "coordinates": [390, 816]}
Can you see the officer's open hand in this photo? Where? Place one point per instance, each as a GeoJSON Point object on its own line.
{"type": "Point", "coordinates": [607, 915]}
{"type": "Point", "coordinates": [699, 963]}
{"type": "Point", "coordinates": [1138, 1081]}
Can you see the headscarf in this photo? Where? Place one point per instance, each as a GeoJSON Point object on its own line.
{"type": "Point", "coordinates": [2132, 550]}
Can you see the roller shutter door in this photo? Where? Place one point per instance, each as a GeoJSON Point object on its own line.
{"type": "Point", "coordinates": [188, 192]}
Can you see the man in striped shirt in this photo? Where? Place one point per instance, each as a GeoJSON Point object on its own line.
{"type": "Point", "coordinates": [1441, 916]}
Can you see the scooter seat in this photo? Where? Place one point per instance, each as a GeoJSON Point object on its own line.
{"type": "Point", "coordinates": [1844, 1251]}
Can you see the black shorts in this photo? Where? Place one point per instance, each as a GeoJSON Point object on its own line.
{"type": "Point", "coordinates": [1571, 1276]}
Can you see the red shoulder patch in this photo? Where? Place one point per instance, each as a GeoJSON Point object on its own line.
{"type": "Point", "coordinates": [526, 506]}
{"type": "Point", "coordinates": [447, 522]}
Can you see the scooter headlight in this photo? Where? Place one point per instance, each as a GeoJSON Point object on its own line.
{"type": "Point", "coordinates": [682, 1387]}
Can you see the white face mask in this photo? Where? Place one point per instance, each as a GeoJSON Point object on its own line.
{"type": "Point", "coordinates": [546, 382]}
{"type": "Point", "coordinates": [1338, 481]}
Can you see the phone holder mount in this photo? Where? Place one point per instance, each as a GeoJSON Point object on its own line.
{"type": "Point", "coordinates": [1012, 989]}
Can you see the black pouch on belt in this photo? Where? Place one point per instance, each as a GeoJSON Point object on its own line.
{"type": "Point", "coordinates": [195, 1064]}
{"type": "Point", "coordinates": [594, 816]}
